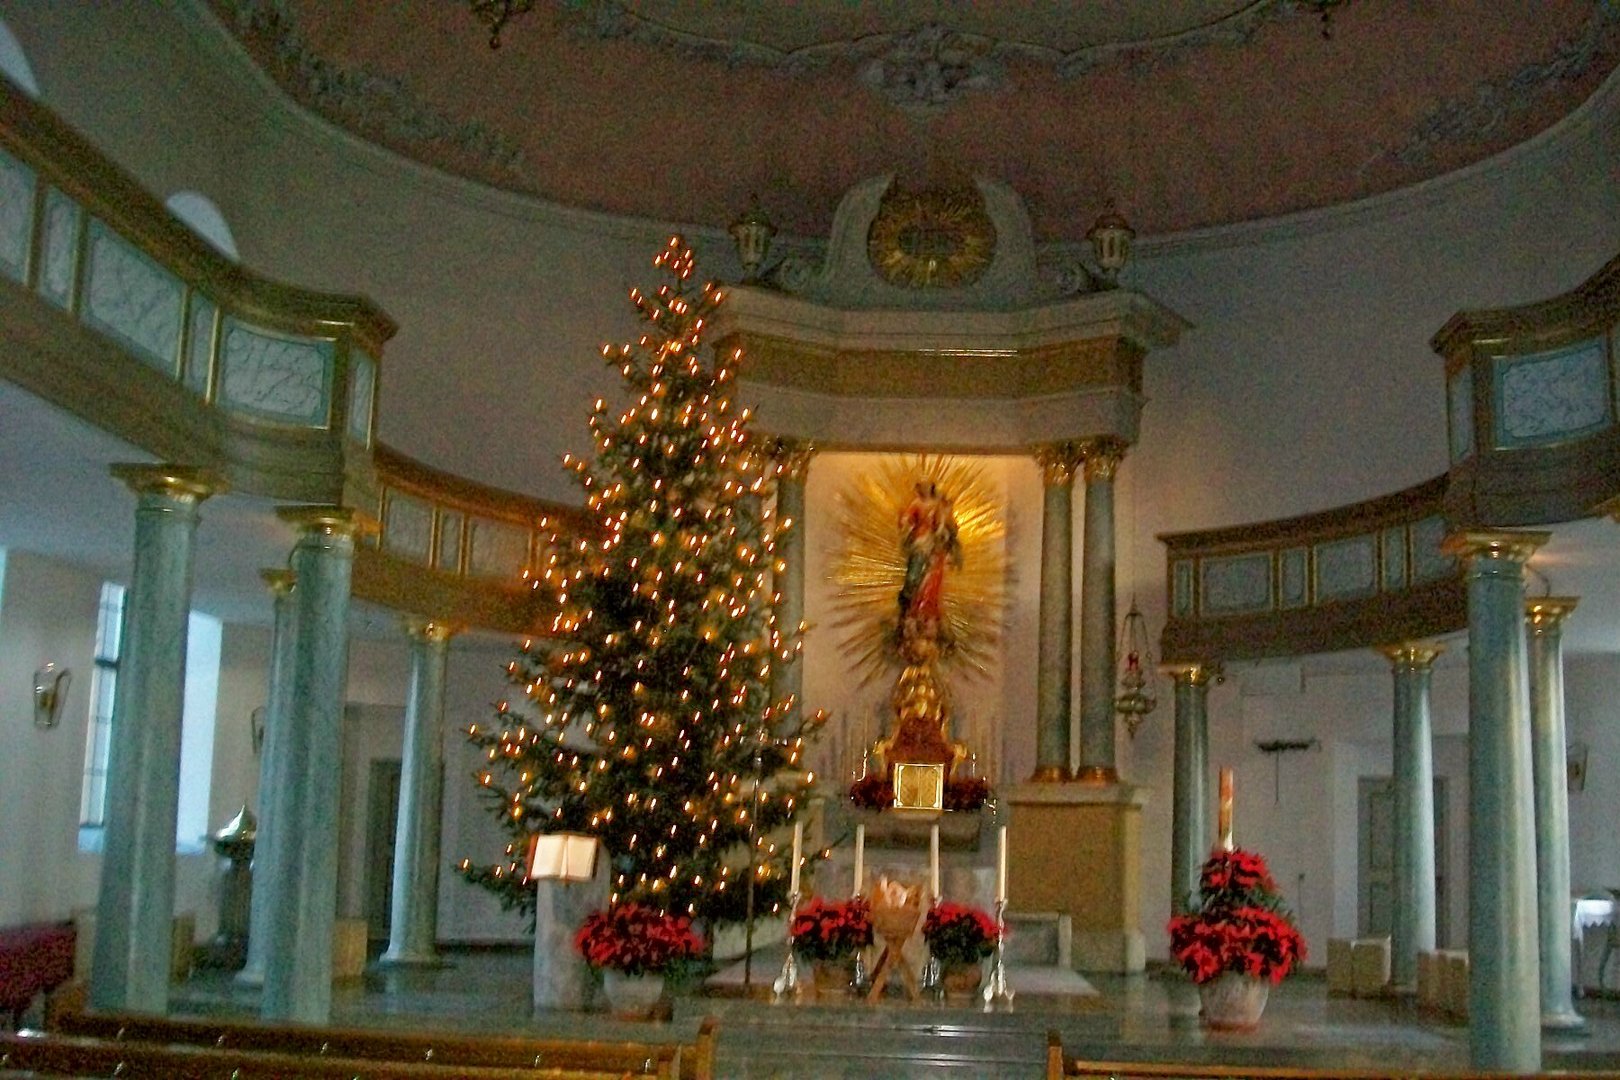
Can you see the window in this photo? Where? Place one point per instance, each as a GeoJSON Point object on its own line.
{"type": "Point", "coordinates": [197, 725]}
{"type": "Point", "coordinates": [103, 687]}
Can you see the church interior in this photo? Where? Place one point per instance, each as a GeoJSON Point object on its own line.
{"type": "Point", "coordinates": [1173, 431]}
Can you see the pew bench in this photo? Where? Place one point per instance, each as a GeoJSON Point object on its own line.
{"type": "Point", "coordinates": [34, 960]}
{"type": "Point", "coordinates": [73, 1055]}
{"type": "Point", "coordinates": [665, 1060]}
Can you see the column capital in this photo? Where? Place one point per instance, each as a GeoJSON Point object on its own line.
{"type": "Point", "coordinates": [279, 580]}
{"type": "Point", "coordinates": [1058, 461]}
{"type": "Point", "coordinates": [1412, 655]}
{"type": "Point", "coordinates": [1513, 544]}
{"type": "Point", "coordinates": [1102, 456]}
{"type": "Point", "coordinates": [1544, 613]}
{"type": "Point", "coordinates": [183, 482]}
{"type": "Point", "coordinates": [328, 520]}
{"type": "Point", "coordinates": [1191, 672]}
{"type": "Point", "coordinates": [421, 628]}
{"type": "Point", "coordinates": [791, 456]}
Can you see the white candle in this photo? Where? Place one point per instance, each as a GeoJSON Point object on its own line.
{"type": "Point", "coordinates": [933, 860]}
{"type": "Point", "coordinates": [798, 844]}
{"type": "Point", "coordinates": [860, 859]}
{"type": "Point", "coordinates": [1001, 865]}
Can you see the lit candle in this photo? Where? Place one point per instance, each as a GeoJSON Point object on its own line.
{"type": "Point", "coordinates": [798, 845]}
{"type": "Point", "coordinates": [1001, 865]}
{"type": "Point", "coordinates": [1225, 811]}
{"type": "Point", "coordinates": [933, 860]}
{"type": "Point", "coordinates": [860, 859]}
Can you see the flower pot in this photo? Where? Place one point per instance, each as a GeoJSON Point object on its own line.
{"type": "Point", "coordinates": [834, 978]}
{"type": "Point", "coordinates": [962, 980]}
{"type": "Point", "coordinates": [632, 997]}
{"type": "Point", "coordinates": [1233, 1001]}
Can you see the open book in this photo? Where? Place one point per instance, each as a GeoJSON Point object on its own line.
{"type": "Point", "coordinates": [563, 856]}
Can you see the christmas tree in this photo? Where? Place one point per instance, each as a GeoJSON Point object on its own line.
{"type": "Point", "coordinates": [644, 717]}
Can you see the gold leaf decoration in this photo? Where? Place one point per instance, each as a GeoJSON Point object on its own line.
{"type": "Point", "coordinates": [869, 564]}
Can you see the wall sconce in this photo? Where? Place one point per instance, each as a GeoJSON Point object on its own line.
{"type": "Point", "coordinates": [752, 232]}
{"type": "Point", "coordinates": [562, 857]}
{"type": "Point", "coordinates": [1110, 237]}
{"type": "Point", "coordinates": [256, 728]}
{"type": "Point", "coordinates": [50, 692]}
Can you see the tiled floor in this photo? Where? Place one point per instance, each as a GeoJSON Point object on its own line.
{"type": "Point", "coordinates": [1132, 1019]}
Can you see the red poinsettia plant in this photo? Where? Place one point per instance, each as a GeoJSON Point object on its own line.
{"type": "Point", "coordinates": [1239, 924]}
{"type": "Point", "coordinates": [832, 929]}
{"type": "Point", "coordinates": [959, 934]}
{"type": "Point", "coordinates": [638, 940]}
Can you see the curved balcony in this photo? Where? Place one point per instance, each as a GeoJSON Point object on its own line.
{"type": "Point", "coordinates": [1531, 407]}
{"type": "Point", "coordinates": [1365, 574]}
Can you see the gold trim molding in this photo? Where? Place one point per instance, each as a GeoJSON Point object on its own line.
{"type": "Point", "coordinates": [1544, 613]}
{"type": "Point", "coordinates": [1412, 655]}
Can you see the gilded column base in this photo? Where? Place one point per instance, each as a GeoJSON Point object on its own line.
{"type": "Point", "coordinates": [1050, 774]}
{"type": "Point", "coordinates": [1097, 774]}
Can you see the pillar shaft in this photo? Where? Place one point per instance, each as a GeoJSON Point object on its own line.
{"type": "Point", "coordinates": [793, 467]}
{"type": "Point", "coordinates": [1544, 626]}
{"type": "Point", "coordinates": [1189, 796]}
{"type": "Point", "coordinates": [1504, 1014]}
{"type": "Point", "coordinates": [414, 922]}
{"type": "Point", "coordinates": [1055, 649]}
{"type": "Point", "coordinates": [135, 910]}
{"type": "Point", "coordinates": [1097, 758]}
{"type": "Point", "coordinates": [298, 963]}
{"type": "Point", "coordinates": [1413, 930]}
{"type": "Point", "coordinates": [270, 848]}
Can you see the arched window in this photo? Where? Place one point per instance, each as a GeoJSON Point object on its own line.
{"type": "Point", "coordinates": [199, 211]}
{"type": "Point", "coordinates": [13, 64]}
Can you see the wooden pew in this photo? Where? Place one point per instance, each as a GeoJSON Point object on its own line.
{"type": "Point", "coordinates": [34, 960]}
{"type": "Point", "coordinates": [665, 1060]}
{"type": "Point", "coordinates": [1060, 1068]}
{"type": "Point", "coordinates": [72, 1055]}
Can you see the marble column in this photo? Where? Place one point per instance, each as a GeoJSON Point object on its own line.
{"type": "Point", "coordinates": [414, 922]}
{"type": "Point", "coordinates": [1055, 650]}
{"type": "Point", "coordinates": [1504, 990]}
{"type": "Point", "coordinates": [1189, 797]}
{"type": "Point", "coordinates": [1413, 930]}
{"type": "Point", "coordinates": [298, 960]}
{"type": "Point", "coordinates": [270, 849]}
{"type": "Point", "coordinates": [787, 672]}
{"type": "Point", "coordinates": [135, 909]}
{"type": "Point", "coordinates": [1544, 617]}
{"type": "Point", "coordinates": [1097, 624]}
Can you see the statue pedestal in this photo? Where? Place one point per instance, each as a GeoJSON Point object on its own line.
{"type": "Point", "coordinates": [1074, 849]}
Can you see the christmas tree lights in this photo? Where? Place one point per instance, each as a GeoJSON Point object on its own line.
{"type": "Point", "coordinates": [644, 716]}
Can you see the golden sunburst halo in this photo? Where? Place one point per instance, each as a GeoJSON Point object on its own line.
{"type": "Point", "coordinates": [869, 564]}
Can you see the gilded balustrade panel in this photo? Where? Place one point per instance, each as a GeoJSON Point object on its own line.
{"type": "Point", "coordinates": [1532, 406]}
{"type": "Point", "coordinates": [1352, 576]}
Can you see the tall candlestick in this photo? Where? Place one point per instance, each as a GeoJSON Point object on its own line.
{"type": "Point", "coordinates": [860, 859]}
{"type": "Point", "coordinates": [1225, 811]}
{"type": "Point", "coordinates": [798, 844]}
{"type": "Point", "coordinates": [933, 861]}
{"type": "Point", "coordinates": [1001, 865]}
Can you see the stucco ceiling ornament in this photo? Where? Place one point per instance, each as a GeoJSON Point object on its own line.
{"type": "Point", "coordinates": [930, 67]}
{"type": "Point", "coordinates": [935, 238]}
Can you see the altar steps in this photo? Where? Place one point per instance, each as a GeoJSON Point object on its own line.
{"type": "Point", "coordinates": [891, 1040]}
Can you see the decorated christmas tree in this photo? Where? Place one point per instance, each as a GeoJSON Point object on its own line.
{"type": "Point", "coordinates": [643, 716]}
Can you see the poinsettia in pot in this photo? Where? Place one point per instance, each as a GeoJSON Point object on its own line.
{"type": "Point", "coordinates": [637, 947]}
{"type": "Point", "coordinates": [960, 937]}
{"type": "Point", "coordinates": [1238, 941]}
{"type": "Point", "coordinates": [828, 934]}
